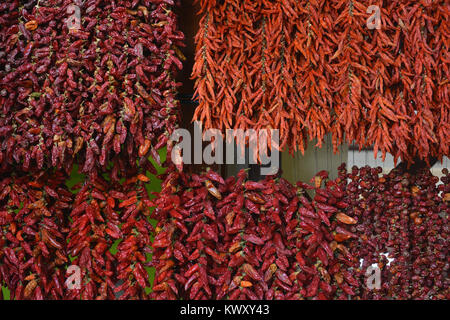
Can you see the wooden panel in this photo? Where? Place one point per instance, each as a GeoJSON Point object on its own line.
{"type": "Point", "coordinates": [304, 167]}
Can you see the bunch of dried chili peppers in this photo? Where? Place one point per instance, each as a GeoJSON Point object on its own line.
{"type": "Point", "coordinates": [101, 94]}
{"type": "Point", "coordinates": [90, 82]}
{"type": "Point", "coordinates": [238, 239]}
{"type": "Point", "coordinates": [34, 223]}
{"type": "Point", "coordinates": [103, 231]}
{"type": "Point", "coordinates": [373, 72]}
{"type": "Point", "coordinates": [104, 216]}
{"type": "Point", "coordinates": [86, 83]}
{"type": "Point", "coordinates": [403, 230]}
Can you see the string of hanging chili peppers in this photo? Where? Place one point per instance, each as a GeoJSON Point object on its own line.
{"type": "Point", "coordinates": [238, 239]}
{"type": "Point", "coordinates": [100, 95]}
{"type": "Point", "coordinates": [402, 229]}
{"type": "Point", "coordinates": [105, 216]}
{"type": "Point", "coordinates": [371, 72]}
{"type": "Point", "coordinates": [103, 96]}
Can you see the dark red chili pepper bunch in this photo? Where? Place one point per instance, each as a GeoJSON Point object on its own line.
{"type": "Point", "coordinates": [104, 216]}
{"type": "Point", "coordinates": [101, 95]}
{"type": "Point", "coordinates": [402, 230]}
{"type": "Point", "coordinates": [102, 92]}
{"type": "Point", "coordinates": [238, 239]}
{"type": "Point", "coordinates": [33, 228]}
{"type": "Point", "coordinates": [309, 68]}
{"type": "Point", "coordinates": [333, 263]}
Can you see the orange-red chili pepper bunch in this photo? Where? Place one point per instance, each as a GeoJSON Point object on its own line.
{"type": "Point", "coordinates": [33, 228]}
{"type": "Point", "coordinates": [238, 239]}
{"type": "Point", "coordinates": [97, 92]}
{"type": "Point", "coordinates": [309, 68]}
